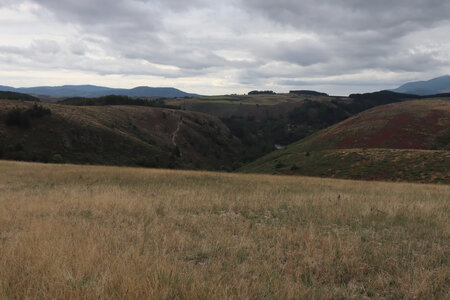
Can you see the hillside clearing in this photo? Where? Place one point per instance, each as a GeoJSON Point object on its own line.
{"type": "Point", "coordinates": [79, 232]}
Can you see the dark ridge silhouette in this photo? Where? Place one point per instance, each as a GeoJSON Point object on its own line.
{"type": "Point", "coordinates": [439, 85]}
{"type": "Point", "coordinates": [307, 92]}
{"type": "Point", "coordinates": [91, 91]}
{"type": "Point", "coordinates": [17, 96]}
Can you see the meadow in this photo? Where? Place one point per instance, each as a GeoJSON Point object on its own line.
{"type": "Point", "coordinates": [90, 232]}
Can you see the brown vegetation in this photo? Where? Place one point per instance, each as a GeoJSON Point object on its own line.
{"type": "Point", "coordinates": [72, 232]}
{"type": "Point", "coordinates": [404, 125]}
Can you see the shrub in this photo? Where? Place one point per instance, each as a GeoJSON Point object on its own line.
{"type": "Point", "coordinates": [261, 93]}
{"type": "Point", "coordinates": [443, 141]}
{"type": "Point", "coordinates": [279, 165]}
{"type": "Point", "coordinates": [176, 152]}
{"type": "Point", "coordinates": [57, 158]}
{"type": "Point", "coordinates": [17, 117]}
{"type": "Point", "coordinates": [18, 147]}
{"type": "Point", "coordinates": [38, 111]}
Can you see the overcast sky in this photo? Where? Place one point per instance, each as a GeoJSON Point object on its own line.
{"type": "Point", "coordinates": [226, 46]}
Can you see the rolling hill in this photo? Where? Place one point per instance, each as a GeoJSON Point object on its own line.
{"type": "Point", "coordinates": [17, 96]}
{"type": "Point", "coordinates": [91, 91]}
{"type": "Point", "coordinates": [402, 141]}
{"type": "Point", "coordinates": [407, 125]}
{"type": "Point", "coordinates": [433, 86]}
{"type": "Point", "coordinates": [116, 135]}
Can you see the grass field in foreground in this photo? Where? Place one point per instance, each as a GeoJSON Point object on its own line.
{"type": "Point", "coordinates": [78, 232]}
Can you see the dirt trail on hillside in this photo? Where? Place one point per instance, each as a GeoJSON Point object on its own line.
{"type": "Point", "coordinates": [175, 133]}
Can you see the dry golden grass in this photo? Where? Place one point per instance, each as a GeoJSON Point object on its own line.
{"type": "Point", "coordinates": [77, 232]}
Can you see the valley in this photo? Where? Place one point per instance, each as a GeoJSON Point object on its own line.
{"type": "Point", "coordinates": [373, 136]}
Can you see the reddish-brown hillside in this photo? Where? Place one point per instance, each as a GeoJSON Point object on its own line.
{"type": "Point", "coordinates": [405, 125]}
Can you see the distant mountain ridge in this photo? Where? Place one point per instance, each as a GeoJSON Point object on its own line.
{"type": "Point", "coordinates": [92, 91]}
{"type": "Point", "coordinates": [439, 85]}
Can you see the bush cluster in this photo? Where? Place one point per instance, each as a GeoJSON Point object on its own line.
{"type": "Point", "coordinates": [20, 117]}
{"type": "Point", "coordinates": [261, 93]}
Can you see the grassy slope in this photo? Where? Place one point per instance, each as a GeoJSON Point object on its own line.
{"type": "Point", "coordinates": [411, 124]}
{"type": "Point", "coordinates": [404, 125]}
{"type": "Point", "coordinates": [368, 164]}
{"type": "Point", "coordinates": [78, 232]}
{"type": "Point", "coordinates": [123, 135]}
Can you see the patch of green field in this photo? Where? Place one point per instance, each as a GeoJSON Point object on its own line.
{"type": "Point", "coordinates": [241, 97]}
{"type": "Point", "coordinates": [248, 99]}
{"type": "Point", "coordinates": [237, 102]}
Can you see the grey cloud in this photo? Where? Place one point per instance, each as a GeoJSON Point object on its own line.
{"type": "Point", "coordinates": [181, 5]}
{"type": "Point", "coordinates": [134, 29]}
{"type": "Point", "coordinates": [45, 54]}
{"type": "Point", "coordinates": [260, 42]}
{"type": "Point", "coordinates": [303, 52]}
{"type": "Point", "coordinates": [78, 48]}
{"type": "Point", "coordinates": [352, 15]}
{"type": "Point", "coordinates": [358, 34]}
{"type": "Point", "coordinates": [45, 46]}
{"type": "Point", "coordinates": [186, 58]}
{"type": "Point", "coordinates": [38, 50]}
{"type": "Point", "coordinates": [101, 12]}
{"type": "Point", "coordinates": [347, 82]}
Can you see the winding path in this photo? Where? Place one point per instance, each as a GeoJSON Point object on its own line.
{"type": "Point", "coordinates": [175, 133]}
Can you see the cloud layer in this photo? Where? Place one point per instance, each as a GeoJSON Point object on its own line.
{"type": "Point", "coordinates": [340, 46]}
